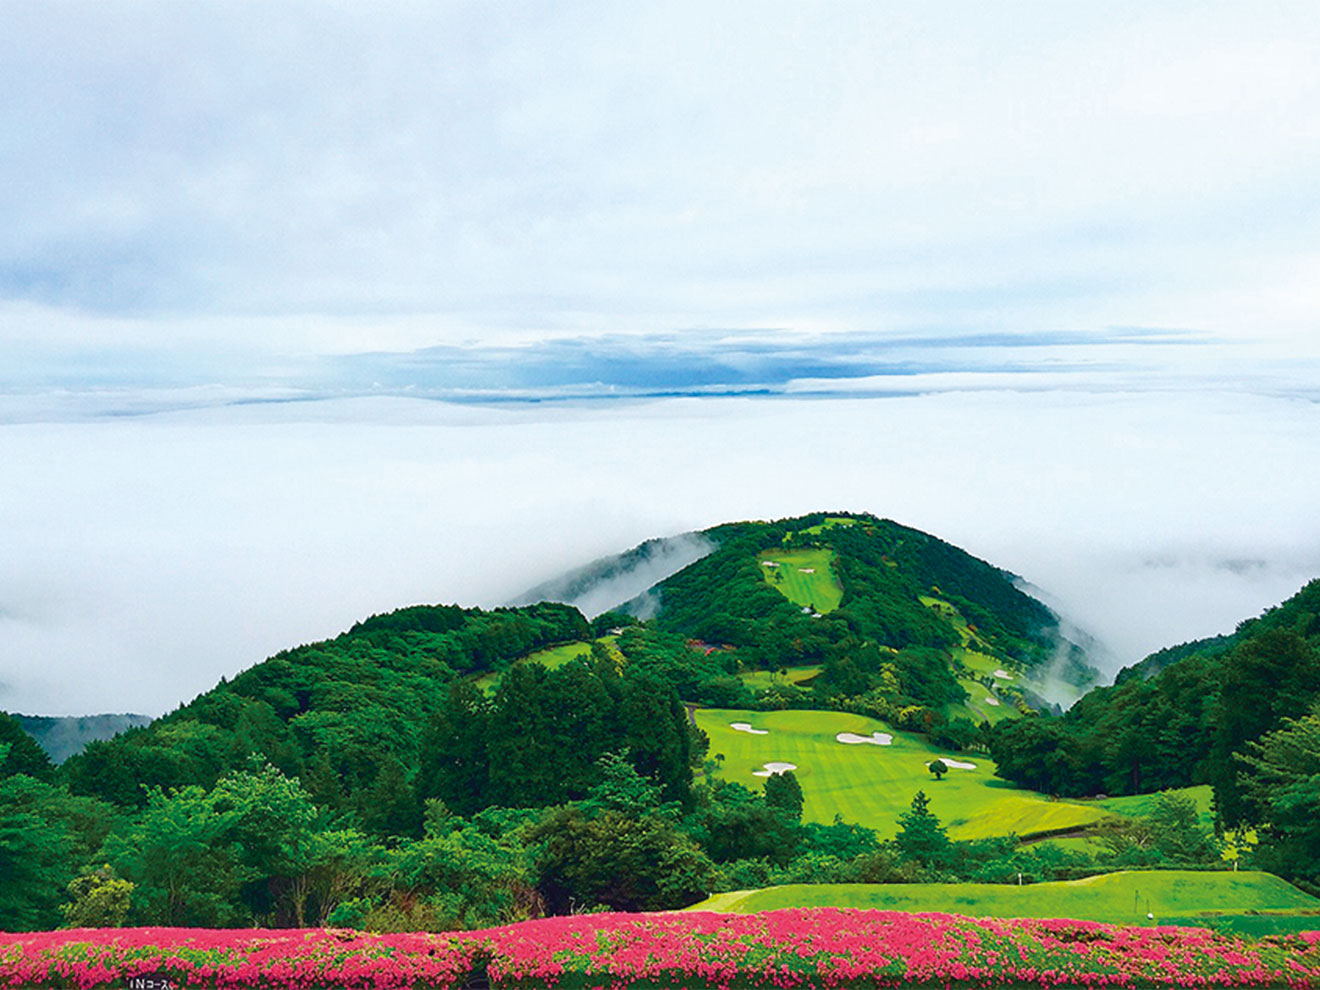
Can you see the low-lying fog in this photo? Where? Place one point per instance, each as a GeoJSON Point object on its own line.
{"type": "Point", "coordinates": [145, 557]}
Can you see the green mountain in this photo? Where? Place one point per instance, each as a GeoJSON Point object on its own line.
{"type": "Point", "coordinates": [863, 597]}
{"type": "Point", "coordinates": [1185, 715]}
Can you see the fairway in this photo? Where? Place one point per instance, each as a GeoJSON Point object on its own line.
{"type": "Point", "coordinates": [760, 680]}
{"type": "Point", "coordinates": [1119, 898]}
{"type": "Point", "coordinates": [872, 785]}
{"type": "Point", "coordinates": [804, 577]}
{"type": "Point", "coordinates": [552, 658]}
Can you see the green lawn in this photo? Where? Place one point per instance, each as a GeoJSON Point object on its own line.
{"type": "Point", "coordinates": [829, 523]}
{"type": "Point", "coordinates": [1120, 898]}
{"type": "Point", "coordinates": [873, 785]}
{"type": "Point", "coordinates": [759, 680]}
{"type": "Point", "coordinates": [552, 658]}
{"type": "Point", "coordinates": [818, 589]}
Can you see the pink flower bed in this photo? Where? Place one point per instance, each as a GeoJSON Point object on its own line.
{"type": "Point", "coordinates": [818, 947]}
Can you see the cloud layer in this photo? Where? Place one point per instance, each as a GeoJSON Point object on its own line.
{"type": "Point", "coordinates": [147, 557]}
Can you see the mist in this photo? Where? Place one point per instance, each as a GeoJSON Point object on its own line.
{"type": "Point", "coordinates": [144, 558]}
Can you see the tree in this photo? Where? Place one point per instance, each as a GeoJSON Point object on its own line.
{"type": "Point", "coordinates": [98, 899]}
{"type": "Point", "coordinates": [921, 838]}
{"type": "Point", "coordinates": [1280, 776]}
{"type": "Point", "coordinates": [627, 864]}
{"type": "Point", "coordinates": [782, 791]}
{"type": "Point", "coordinates": [938, 768]}
{"type": "Point", "coordinates": [1176, 831]}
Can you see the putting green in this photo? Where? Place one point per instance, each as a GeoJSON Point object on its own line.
{"type": "Point", "coordinates": [1119, 898]}
{"type": "Point", "coordinates": [872, 785]}
{"type": "Point", "coordinates": [829, 523]}
{"type": "Point", "coordinates": [804, 577]}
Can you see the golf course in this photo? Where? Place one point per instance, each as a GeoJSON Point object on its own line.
{"type": "Point", "coordinates": [871, 784]}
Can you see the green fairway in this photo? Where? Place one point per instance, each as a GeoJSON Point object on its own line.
{"type": "Point", "coordinates": [759, 680]}
{"type": "Point", "coordinates": [829, 523]}
{"type": "Point", "coordinates": [552, 658]}
{"type": "Point", "coordinates": [1119, 898]}
{"type": "Point", "coordinates": [804, 577]}
{"type": "Point", "coordinates": [872, 785]}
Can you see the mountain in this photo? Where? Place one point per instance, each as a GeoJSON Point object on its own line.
{"type": "Point", "coordinates": [843, 589]}
{"type": "Point", "coordinates": [607, 583]}
{"type": "Point", "coordinates": [1185, 715]}
{"type": "Point", "coordinates": [62, 736]}
{"type": "Point", "coordinates": [900, 625]}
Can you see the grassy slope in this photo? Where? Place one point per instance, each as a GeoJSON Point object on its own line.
{"type": "Point", "coordinates": [759, 680]}
{"type": "Point", "coordinates": [1122, 898]}
{"type": "Point", "coordinates": [552, 658]}
{"type": "Point", "coordinates": [820, 589]}
{"type": "Point", "coordinates": [873, 785]}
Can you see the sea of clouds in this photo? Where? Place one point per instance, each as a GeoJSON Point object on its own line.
{"type": "Point", "coordinates": [146, 556]}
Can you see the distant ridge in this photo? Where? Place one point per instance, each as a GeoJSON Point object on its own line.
{"type": "Point", "coordinates": [62, 736]}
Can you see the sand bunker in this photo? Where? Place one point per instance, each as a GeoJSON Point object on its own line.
{"type": "Point", "coordinates": [747, 727]}
{"type": "Point", "coordinates": [954, 764]}
{"type": "Point", "coordinates": [769, 563]}
{"type": "Point", "coordinates": [875, 739]}
{"type": "Point", "coordinates": [807, 570]}
{"type": "Point", "coordinates": [992, 701]}
{"type": "Point", "coordinates": [1004, 674]}
{"type": "Point", "coordinates": [773, 768]}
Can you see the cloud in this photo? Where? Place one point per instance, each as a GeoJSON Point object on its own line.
{"type": "Point", "coordinates": [146, 557]}
{"type": "Point", "coordinates": [489, 170]}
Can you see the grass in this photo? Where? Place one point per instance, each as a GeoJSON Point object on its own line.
{"type": "Point", "coordinates": [552, 658]}
{"type": "Point", "coordinates": [1139, 805]}
{"type": "Point", "coordinates": [759, 680]}
{"type": "Point", "coordinates": [1118, 898]}
{"type": "Point", "coordinates": [819, 590]}
{"type": "Point", "coordinates": [873, 785]}
{"type": "Point", "coordinates": [829, 523]}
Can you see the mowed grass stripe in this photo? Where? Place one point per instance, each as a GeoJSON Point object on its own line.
{"type": "Point", "coordinates": [1120, 898]}
{"type": "Point", "coordinates": [873, 785]}
{"type": "Point", "coordinates": [819, 589]}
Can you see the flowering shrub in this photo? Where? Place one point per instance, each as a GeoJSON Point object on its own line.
{"type": "Point", "coordinates": [816, 947]}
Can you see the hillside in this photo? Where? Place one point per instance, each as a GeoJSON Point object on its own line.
{"type": "Point", "coordinates": [1241, 713]}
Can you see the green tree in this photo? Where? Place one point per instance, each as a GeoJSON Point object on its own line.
{"type": "Point", "coordinates": [784, 793]}
{"type": "Point", "coordinates": [98, 899]}
{"type": "Point", "coordinates": [938, 768]}
{"type": "Point", "coordinates": [1176, 833]}
{"type": "Point", "coordinates": [1280, 776]}
{"type": "Point", "coordinates": [625, 863]}
{"type": "Point", "coordinates": [921, 838]}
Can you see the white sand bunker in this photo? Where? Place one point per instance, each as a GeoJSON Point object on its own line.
{"type": "Point", "coordinates": [954, 764]}
{"type": "Point", "coordinates": [1004, 674]}
{"type": "Point", "coordinates": [769, 563]}
{"type": "Point", "coordinates": [773, 768]}
{"type": "Point", "coordinates": [807, 570]}
{"type": "Point", "coordinates": [747, 727]}
{"type": "Point", "coordinates": [992, 701]}
{"type": "Point", "coordinates": [875, 739]}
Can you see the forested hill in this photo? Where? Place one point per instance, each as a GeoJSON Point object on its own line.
{"type": "Point", "coordinates": [1197, 719]}
{"type": "Point", "coordinates": [804, 590]}
{"type": "Point", "coordinates": [356, 719]}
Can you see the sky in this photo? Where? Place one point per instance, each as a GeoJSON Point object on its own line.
{"type": "Point", "coordinates": [309, 310]}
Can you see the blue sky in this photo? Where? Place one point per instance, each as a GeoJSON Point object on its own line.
{"type": "Point", "coordinates": [1039, 278]}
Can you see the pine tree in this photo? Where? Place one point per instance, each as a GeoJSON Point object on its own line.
{"type": "Point", "coordinates": [921, 838]}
